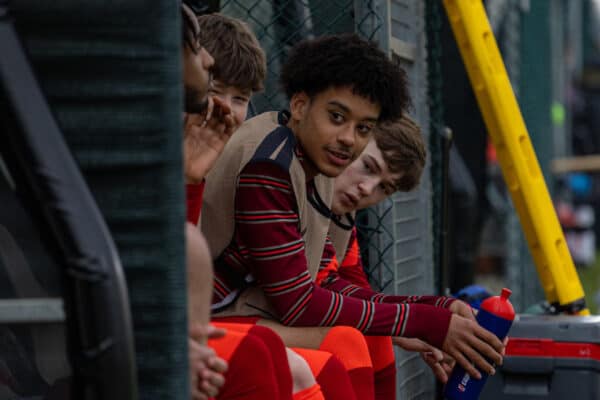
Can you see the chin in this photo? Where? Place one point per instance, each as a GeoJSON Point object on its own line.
{"type": "Point", "coordinates": [337, 209]}
{"type": "Point", "coordinates": [331, 172]}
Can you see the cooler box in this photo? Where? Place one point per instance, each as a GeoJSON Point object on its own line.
{"type": "Point", "coordinates": [549, 357]}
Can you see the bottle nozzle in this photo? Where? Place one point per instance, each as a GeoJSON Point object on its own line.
{"type": "Point", "coordinates": [505, 294]}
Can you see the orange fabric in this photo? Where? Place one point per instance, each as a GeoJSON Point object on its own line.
{"type": "Point", "coordinates": [312, 393]}
{"type": "Point", "coordinates": [316, 359]}
{"type": "Point", "coordinates": [381, 351]}
{"type": "Point", "coordinates": [330, 268]}
{"type": "Point", "coordinates": [382, 356]}
{"type": "Point", "coordinates": [227, 345]}
{"type": "Point", "coordinates": [233, 326]}
{"type": "Point", "coordinates": [349, 346]}
{"type": "Point", "coordinates": [330, 374]}
{"type": "Point", "coordinates": [251, 374]}
{"type": "Point", "coordinates": [352, 256]}
{"type": "Point", "coordinates": [276, 349]}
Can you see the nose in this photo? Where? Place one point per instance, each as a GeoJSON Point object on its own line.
{"type": "Point", "coordinates": [346, 136]}
{"type": "Point", "coordinates": [367, 187]}
{"type": "Point", "coordinates": [227, 100]}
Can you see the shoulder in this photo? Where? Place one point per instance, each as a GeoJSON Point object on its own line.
{"type": "Point", "coordinates": [277, 147]}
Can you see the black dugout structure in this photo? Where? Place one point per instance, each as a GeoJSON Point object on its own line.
{"type": "Point", "coordinates": [91, 178]}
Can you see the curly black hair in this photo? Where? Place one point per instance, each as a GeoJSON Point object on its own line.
{"type": "Point", "coordinates": [346, 60]}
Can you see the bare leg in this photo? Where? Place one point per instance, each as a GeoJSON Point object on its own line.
{"type": "Point", "coordinates": [301, 373]}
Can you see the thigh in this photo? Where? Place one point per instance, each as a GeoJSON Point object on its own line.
{"type": "Point", "coordinates": [298, 336]}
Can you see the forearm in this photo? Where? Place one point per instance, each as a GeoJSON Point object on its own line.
{"type": "Point", "coordinates": [310, 305]}
{"type": "Point", "coordinates": [337, 284]}
{"type": "Point", "coordinates": [199, 277]}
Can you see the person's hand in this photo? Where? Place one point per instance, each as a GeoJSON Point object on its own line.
{"type": "Point", "coordinates": [441, 364]}
{"type": "Point", "coordinates": [463, 309]}
{"type": "Point", "coordinates": [206, 368]}
{"type": "Point", "coordinates": [204, 138]}
{"type": "Point", "coordinates": [470, 344]}
{"type": "Point", "coordinates": [201, 333]}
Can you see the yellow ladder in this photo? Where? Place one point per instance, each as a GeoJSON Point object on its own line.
{"type": "Point", "coordinates": [516, 156]}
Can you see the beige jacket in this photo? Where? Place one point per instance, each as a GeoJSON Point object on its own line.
{"type": "Point", "coordinates": [261, 134]}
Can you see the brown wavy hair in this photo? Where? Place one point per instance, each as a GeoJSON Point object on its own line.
{"type": "Point", "coordinates": [239, 59]}
{"type": "Point", "coordinates": [403, 149]}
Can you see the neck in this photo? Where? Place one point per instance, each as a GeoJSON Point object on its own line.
{"type": "Point", "coordinates": [310, 169]}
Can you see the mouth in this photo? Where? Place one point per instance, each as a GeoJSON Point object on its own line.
{"type": "Point", "coordinates": [339, 158]}
{"type": "Point", "coordinates": [350, 200]}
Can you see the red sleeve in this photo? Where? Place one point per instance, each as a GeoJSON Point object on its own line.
{"type": "Point", "coordinates": [267, 234]}
{"type": "Point", "coordinates": [340, 285]}
{"type": "Point", "coordinates": [193, 196]}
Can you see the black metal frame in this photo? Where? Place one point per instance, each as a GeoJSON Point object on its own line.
{"type": "Point", "coordinates": [99, 325]}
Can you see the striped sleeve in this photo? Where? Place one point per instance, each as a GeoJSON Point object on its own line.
{"type": "Point", "coordinates": [267, 233]}
{"type": "Point", "coordinates": [349, 278]}
{"type": "Point", "coordinates": [335, 283]}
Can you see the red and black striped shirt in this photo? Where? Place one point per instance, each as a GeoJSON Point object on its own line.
{"type": "Point", "coordinates": [268, 250]}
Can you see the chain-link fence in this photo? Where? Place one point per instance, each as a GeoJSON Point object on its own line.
{"type": "Point", "coordinates": [279, 24]}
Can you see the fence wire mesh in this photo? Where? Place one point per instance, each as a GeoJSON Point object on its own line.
{"type": "Point", "coordinates": [279, 24]}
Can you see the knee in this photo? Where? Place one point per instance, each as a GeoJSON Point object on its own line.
{"type": "Point", "coordinates": [301, 373]}
{"type": "Point", "coordinates": [346, 336]}
{"type": "Point", "coordinates": [251, 372]}
{"type": "Point", "coordinates": [349, 346]}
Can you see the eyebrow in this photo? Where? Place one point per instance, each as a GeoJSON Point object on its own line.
{"type": "Point", "coordinates": [346, 109]}
{"type": "Point", "coordinates": [340, 105]}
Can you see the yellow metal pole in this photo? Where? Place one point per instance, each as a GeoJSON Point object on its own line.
{"type": "Point", "coordinates": [516, 156]}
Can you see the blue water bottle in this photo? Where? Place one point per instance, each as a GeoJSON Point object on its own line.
{"type": "Point", "coordinates": [496, 315]}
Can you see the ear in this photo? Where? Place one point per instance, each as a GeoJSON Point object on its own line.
{"type": "Point", "coordinates": [299, 105]}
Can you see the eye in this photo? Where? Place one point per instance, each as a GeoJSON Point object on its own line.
{"type": "Point", "coordinates": [364, 129]}
{"type": "Point", "coordinates": [367, 167]}
{"type": "Point", "coordinates": [387, 189]}
{"type": "Point", "coordinates": [241, 99]}
{"type": "Point", "coordinates": [336, 117]}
